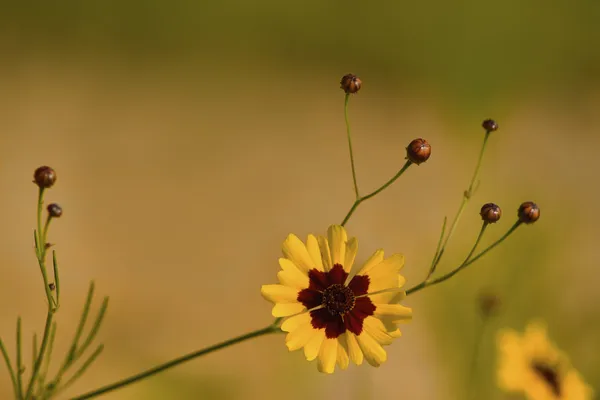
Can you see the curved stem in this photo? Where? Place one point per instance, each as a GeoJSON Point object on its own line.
{"type": "Point", "coordinates": [468, 261]}
{"type": "Point", "coordinates": [180, 360]}
{"type": "Point", "coordinates": [466, 197]}
{"type": "Point", "coordinates": [11, 372]}
{"type": "Point", "coordinates": [38, 363]}
{"type": "Point", "coordinates": [359, 200]}
{"type": "Point", "coordinates": [346, 100]}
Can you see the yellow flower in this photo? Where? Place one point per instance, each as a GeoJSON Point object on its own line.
{"type": "Point", "coordinates": [334, 316]}
{"type": "Point", "coordinates": [530, 363]}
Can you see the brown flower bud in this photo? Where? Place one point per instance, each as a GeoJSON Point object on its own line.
{"type": "Point", "coordinates": [51, 286]}
{"type": "Point", "coordinates": [490, 125]}
{"type": "Point", "coordinates": [44, 177]}
{"type": "Point", "coordinates": [54, 210]}
{"type": "Point", "coordinates": [490, 213]}
{"type": "Point", "coordinates": [418, 151]}
{"type": "Point", "coordinates": [529, 212]}
{"type": "Point", "coordinates": [489, 304]}
{"type": "Point", "coordinates": [350, 83]}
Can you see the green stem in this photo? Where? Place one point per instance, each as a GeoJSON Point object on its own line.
{"type": "Point", "coordinates": [11, 372]}
{"type": "Point", "coordinates": [180, 360]}
{"type": "Point", "coordinates": [359, 200]}
{"type": "Point", "coordinates": [38, 363]}
{"type": "Point", "coordinates": [19, 360]}
{"type": "Point", "coordinates": [466, 197]}
{"type": "Point", "coordinates": [350, 145]}
{"type": "Point", "coordinates": [468, 261]}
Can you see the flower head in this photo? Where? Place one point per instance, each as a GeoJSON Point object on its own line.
{"type": "Point", "coordinates": [530, 363]}
{"type": "Point", "coordinates": [350, 83]}
{"type": "Point", "coordinates": [337, 317]}
{"type": "Point", "coordinates": [418, 151]}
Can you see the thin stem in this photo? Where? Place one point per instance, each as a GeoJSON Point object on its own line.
{"type": "Point", "coordinates": [475, 357]}
{"type": "Point", "coordinates": [466, 197]}
{"type": "Point", "coordinates": [44, 369]}
{"type": "Point", "coordinates": [19, 360]}
{"type": "Point", "coordinates": [346, 100]}
{"type": "Point", "coordinates": [376, 192]}
{"type": "Point", "coordinates": [34, 353]}
{"type": "Point", "coordinates": [38, 363]}
{"type": "Point", "coordinates": [81, 370]}
{"type": "Point", "coordinates": [41, 244]}
{"type": "Point", "coordinates": [56, 278]}
{"type": "Point", "coordinates": [437, 250]}
{"type": "Point", "coordinates": [11, 372]}
{"type": "Point", "coordinates": [180, 360]}
{"type": "Point", "coordinates": [468, 261]}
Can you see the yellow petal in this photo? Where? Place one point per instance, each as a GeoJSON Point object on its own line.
{"type": "Point", "coordinates": [295, 251]}
{"type": "Point", "coordinates": [375, 328]}
{"type": "Point", "coordinates": [351, 250]}
{"type": "Point", "coordinates": [311, 349]}
{"type": "Point", "coordinates": [337, 244]}
{"type": "Point", "coordinates": [291, 276]}
{"type": "Point", "coordinates": [394, 311]}
{"type": "Point", "coordinates": [374, 260]}
{"type": "Point", "coordinates": [312, 244]}
{"type": "Point", "coordinates": [348, 341]}
{"type": "Point", "coordinates": [296, 321]}
{"type": "Point", "coordinates": [390, 297]}
{"type": "Point", "coordinates": [287, 309]}
{"type": "Point", "coordinates": [373, 352]}
{"type": "Point", "coordinates": [393, 263]}
{"type": "Point", "coordinates": [298, 338]}
{"type": "Point", "coordinates": [342, 357]}
{"type": "Point", "coordinates": [279, 293]}
{"type": "Point", "coordinates": [325, 253]}
{"type": "Point", "coordinates": [327, 356]}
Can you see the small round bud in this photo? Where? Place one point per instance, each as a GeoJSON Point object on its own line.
{"type": "Point", "coordinates": [54, 210]}
{"type": "Point", "coordinates": [489, 303]}
{"type": "Point", "coordinates": [44, 177]}
{"type": "Point", "coordinates": [418, 151]}
{"type": "Point", "coordinates": [529, 212]}
{"type": "Point", "coordinates": [350, 83]}
{"type": "Point", "coordinates": [490, 213]}
{"type": "Point", "coordinates": [51, 286]}
{"type": "Point", "coordinates": [490, 125]}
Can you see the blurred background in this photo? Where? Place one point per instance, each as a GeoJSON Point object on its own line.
{"type": "Point", "coordinates": [191, 137]}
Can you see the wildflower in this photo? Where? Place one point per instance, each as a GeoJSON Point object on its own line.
{"type": "Point", "coordinates": [531, 364]}
{"type": "Point", "coordinates": [418, 151]}
{"type": "Point", "coordinates": [54, 210]}
{"type": "Point", "coordinates": [334, 316]}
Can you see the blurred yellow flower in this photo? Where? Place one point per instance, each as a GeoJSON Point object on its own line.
{"type": "Point", "coordinates": [334, 316]}
{"type": "Point", "coordinates": [531, 364]}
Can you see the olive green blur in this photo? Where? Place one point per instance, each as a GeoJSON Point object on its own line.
{"type": "Point", "coordinates": [190, 137]}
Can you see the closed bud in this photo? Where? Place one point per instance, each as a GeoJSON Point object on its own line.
{"type": "Point", "coordinates": [529, 212]}
{"type": "Point", "coordinates": [54, 210]}
{"type": "Point", "coordinates": [51, 286]}
{"type": "Point", "coordinates": [350, 83]}
{"type": "Point", "coordinates": [490, 125]}
{"type": "Point", "coordinates": [490, 213]}
{"type": "Point", "coordinates": [44, 177]}
{"type": "Point", "coordinates": [418, 151]}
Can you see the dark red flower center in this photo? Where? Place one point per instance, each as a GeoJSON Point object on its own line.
{"type": "Point", "coordinates": [340, 307]}
{"type": "Point", "coordinates": [338, 299]}
{"type": "Point", "coordinates": [549, 374]}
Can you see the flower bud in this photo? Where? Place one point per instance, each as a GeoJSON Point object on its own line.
{"type": "Point", "coordinates": [529, 212]}
{"type": "Point", "coordinates": [44, 177]}
{"type": "Point", "coordinates": [51, 286]}
{"type": "Point", "coordinates": [489, 303]}
{"type": "Point", "coordinates": [54, 210]}
{"type": "Point", "coordinates": [350, 83]}
{"type": "Point", "coordinates": [490, 213]}
{"type": "Point", "coordinates": [490, 125]}
{"type": "Point", "coordinates": [418, 151]}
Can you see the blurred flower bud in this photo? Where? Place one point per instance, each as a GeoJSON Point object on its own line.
{"type": "Point", "coordinates": [529, 212]}
{"type": "Point", "coordinates": [489, 303]}
{"type": "Point", "coordinates": [490, 125]}
{"type": "Point", "coordinates": [51, 286]}
{"type": "Point", "coordinates": [490, 213]}
{"type": "Point", "coordinates": [54, 210]}
{"type": "Point", "coordinates": [44, 177]}
{"type": "Point", "coordinates": [418, 151]}
{"type": "Point", "coordinates": [351, 83]}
